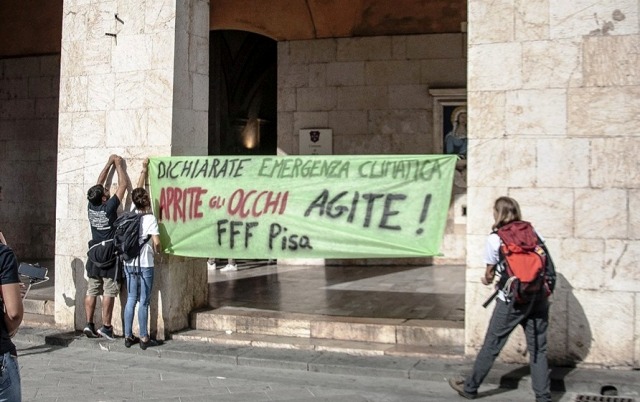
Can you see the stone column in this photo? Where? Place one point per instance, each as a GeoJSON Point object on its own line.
{"type": "Point", "coordinates": [554, 93]}
{"type": "Point", "coordinates": [134, 82]}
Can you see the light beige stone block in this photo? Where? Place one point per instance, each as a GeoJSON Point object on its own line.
{"type": "Point", "coordinates": [603, 112]}
{"type": "Point", "coordinates": [592, 324]}
{"type": "Point", "coordinates": [312, 51]}
{"type": "Point", "coordinates": [129, 90]}
{"type": "Point", "coordinates": [364, 144]}
{"type": "Point", "coordinates": [621, 266]}
{"type": "Point", "coordinates": [634, 214]}
{"type": "Point", "coordinates": [318, 74]}
{"type": "Point", "coordinates": [73, 94]}
{"type": "Point", "coordinates": [286, 100]}
{"type": "Point", "coordinates": [491, 21]}
{"type": "Point", "coordinates": [399, 47]}
{"type": "Point", "coordinates": [292, 75]}
{"type": "Point", "coordinates": [444, 46]}
{"type": "Point", "coordinates": [201, 92]}
{"type": "Point", "coordinates": [547, 64]}
{"type": "Point", "coordinates": [391, 72]}
{"type": "Point", "coordinates": [558, 325]}
{"type": "Point", "coordinates": [550, 210]}
{"type": "Point", "coordinates": [88, 128]}
{"type": "Point", "coordinates": [488, 118]}
{"type": "Point", "coordinates": [348, 122]}
{"type": "Point", "coordinates": [100, 91]}
{"type": "Point", "coordinates": [611, 60]}
{"type": "Point", "coordinates": [513, 160]}
{"type": "Point", "coordinates": [126, 128]}
{"type": "Point", "coordinates": [97, 56]}
{"type": "Point", "coordinates": [487, 64]}
{"type": "Point", "coordinates": [529, 116]}
{"type": "Point", "coordinates": [69, 159]}
{"type": "Point", "coordinates": [531, 20]}
{"type": "Point", "coordinates": [163, 50]}
{"type": "Point", "coordinates": [100, 19]}
{"type": "Point", "coordinates": [132, 13]}
{"type": "Point", "coordinates": [345, 74]}
{"type": "Point", "coordinates": [316, 99]}
{"type": "Point", "coordinates": [563, 163]}
{"type": "Point", "coordinates": [139, 45]}
{"type": "Point", "coordinates": [448, 73]}
{"type": "Point", "coordinates": [584, 17]}
{"type": "Point", "coordinates": [399, 122]}
{"type": "Point", "coordinates": [159, 127]}
{"type": "Point", "coordinates": [615, 162]}
{"type": "Point", "coordinates": [636, 334]}
{"type": "Point", "coordinates": [160, 16]}
{"type": "Point", "coordinates": [580, 261]}
{"type": "Point", "coordinates": [362, 98]}
{"type": "Point", "coordinates": [601, 213]}
{"type": "Point", "coordinates": [309, 120]}
{"type": "Point", "coordinates": [372, 48]}
{"type": "Point", "coordinates": [159, 90]}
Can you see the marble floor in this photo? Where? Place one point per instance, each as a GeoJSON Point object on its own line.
{"type": "Point", "coordinates": [411, 292]}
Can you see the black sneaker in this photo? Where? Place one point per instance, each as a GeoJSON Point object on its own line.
{"type": "Point", "coordinates": [90, 330]}
{"type": "Point", "coordinates": [150, 343]}
{"type": "Point", "coordinates": [458, 385]}
{"type": "Point", "coordinates": [131, 340]}
{"type": "Point", "coordinates": [106, 333]}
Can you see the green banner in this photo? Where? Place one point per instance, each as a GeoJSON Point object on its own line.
{"type": "Point", "coordinates": [259, 207]}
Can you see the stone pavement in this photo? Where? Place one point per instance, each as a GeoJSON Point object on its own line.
{"type": "Point", "coordinates": [69, 367]}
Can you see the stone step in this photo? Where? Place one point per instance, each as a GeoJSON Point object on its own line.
{"type": "Point", "coordinates": [39, 306]}
{"type": "Point", "coordinates": [38, 320]}
{"type": "Point", "coordinates": [395, 332]}
{"type": "Point", "coordinates": [354, 348]}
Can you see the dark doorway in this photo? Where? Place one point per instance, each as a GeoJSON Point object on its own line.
{"type": "Point", "coordinates": [242, 94]}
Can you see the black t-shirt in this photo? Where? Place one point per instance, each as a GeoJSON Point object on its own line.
{"type": "Point", "coordinates": [8, 275]}
{"type": "Point", "coordinates": [101, 219]}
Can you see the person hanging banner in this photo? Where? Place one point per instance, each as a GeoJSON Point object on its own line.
{"type": "Point", "coordinates": [266, 207]}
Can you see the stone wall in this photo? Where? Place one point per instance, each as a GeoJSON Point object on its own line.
{"type": "Point", "coordinates": [554, 94]}
{"type": "Point", "coordinates": [134, 81]}
{"type": "Point", "coordinates": [374, 94]}
{"type": "Point", "coordinates": [28, 146]}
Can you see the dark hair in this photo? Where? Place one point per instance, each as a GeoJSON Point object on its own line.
{"type": "Point", "coordinates": [95, 193]}
{"type": "Point", "coordinates": [140, 198]}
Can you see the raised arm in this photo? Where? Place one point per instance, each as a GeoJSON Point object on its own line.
{"type": "Point", "coordinates": [123, 178]}
{"type": "Point", "coordinates": [102, 178]}
{"type": "Point", "coordinates": [143, 174]}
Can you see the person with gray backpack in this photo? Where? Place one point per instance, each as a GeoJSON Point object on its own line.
{"type": "Point", "coordinates": [139, 265]}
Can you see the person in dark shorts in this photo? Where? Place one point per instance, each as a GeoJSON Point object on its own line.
{"type": "Point", "coordinates": [103, 281]}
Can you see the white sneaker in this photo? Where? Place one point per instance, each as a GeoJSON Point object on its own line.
{"type": "Point", "coordinates": [229, 267]}
{"type": "Point", "coordinates": [211, 265]}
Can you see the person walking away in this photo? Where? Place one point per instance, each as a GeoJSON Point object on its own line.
{"type": "Point", "coordinates": [103, 281]}
{"type": "Point", "coordinates": [10, 385]}
{"type": "Point", "coordinates": [139, 271]}
{"type": "Point", "coordinates": [533, 316]}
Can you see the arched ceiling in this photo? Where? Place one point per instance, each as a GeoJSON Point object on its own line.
{"type": "Point", "coordinates": [315, 19]}
{"type": "Point", "coordinates": [29, 27]}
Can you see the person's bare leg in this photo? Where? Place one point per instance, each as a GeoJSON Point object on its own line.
{"type": "Point", "coordinates": [107, 309]}
{"type": "Point", "coordinates": [89, 307]}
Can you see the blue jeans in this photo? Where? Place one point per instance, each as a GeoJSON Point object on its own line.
{"type": "Point", "coordinates": [139, 284]}
{"type": "Point", "coordinates": [534, 320]}
{"type": "Point", "coordinates": [10, 388]}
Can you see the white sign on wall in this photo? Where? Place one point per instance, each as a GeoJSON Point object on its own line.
{"type": "Point", "coordinates": [316, 141]}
